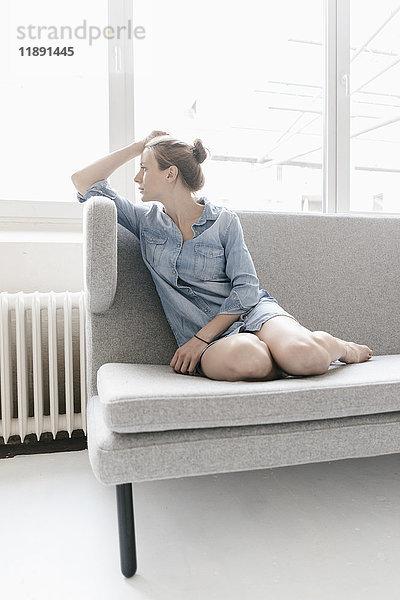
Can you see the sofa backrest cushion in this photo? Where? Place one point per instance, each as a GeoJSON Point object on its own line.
{"type": "Point", "coordinates": [338, 273]}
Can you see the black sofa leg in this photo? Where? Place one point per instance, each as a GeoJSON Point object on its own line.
{"type": "Point", "coordinates": [126, 529]}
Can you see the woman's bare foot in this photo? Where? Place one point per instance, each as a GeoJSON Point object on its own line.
{"type": "Point", "coordinates": [355, 353]}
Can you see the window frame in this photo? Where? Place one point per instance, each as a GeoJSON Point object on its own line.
{"type": "Point", "coordinates": [336, 114]}
{"type": "Point", "coordinates": [336, 119]}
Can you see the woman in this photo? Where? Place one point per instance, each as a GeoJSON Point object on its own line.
{"type": "Point", "coordinates": [204, 274]}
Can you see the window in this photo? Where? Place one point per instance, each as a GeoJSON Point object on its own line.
{"type": "Point", "coordinates": [54, 109]}
{"type": "Point", "coordinates": [248, 80]}
{"type": "Point", "coordinates": [375, 106]}
{"type": "Point", "coordinates": [252, 80]}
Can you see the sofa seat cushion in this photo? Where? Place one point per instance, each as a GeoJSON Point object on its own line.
{"type": "Point", "coordinates": [118, 458]}
{"type": "Point", "coordinates": [148, 398]}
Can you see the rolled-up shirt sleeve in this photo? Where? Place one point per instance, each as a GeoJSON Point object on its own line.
{"type": "Point", "coordinates": [240, 269]}
{"type": "Point", "coordinates": [128, 213]}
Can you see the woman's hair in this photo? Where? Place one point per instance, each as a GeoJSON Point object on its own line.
{"type": "Point", "coordinates": [170, 151]}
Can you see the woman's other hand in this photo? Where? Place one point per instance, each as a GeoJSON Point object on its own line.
{"type": "Point", "coordinates": [187, 356]}
{"type": "Point", "coordinates": [152, 135]}
{"type": "Point", "coordinates": [105, 166]}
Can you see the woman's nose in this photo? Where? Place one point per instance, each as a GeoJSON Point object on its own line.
{"type": "Point", "coordinates": [137, 178]}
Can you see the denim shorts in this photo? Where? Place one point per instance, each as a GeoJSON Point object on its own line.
{"type": "Point", "coordinates": [250, 321]}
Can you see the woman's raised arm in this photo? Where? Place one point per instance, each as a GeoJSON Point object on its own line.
{"type": "Point", "coordinates": [104, 167]}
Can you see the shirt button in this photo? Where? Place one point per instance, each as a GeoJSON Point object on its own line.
{"type": "Point", "coordinates": [210, 252]}
{"type": "Point", "coordinates": [179, 245]}
{"type": "Point", "coordinates": [173, 271]}
{"type": "Point", "coordinates": [151, 239]}
{"type": "Point", "coordinates": [206, 310]}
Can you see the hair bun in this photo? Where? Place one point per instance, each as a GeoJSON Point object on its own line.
{"type": "Point", "coordinates": [199, 152]}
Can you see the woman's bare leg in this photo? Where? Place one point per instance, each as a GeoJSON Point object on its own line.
{"type": "Point", "coordinates": [239, 357]}
{"type": "Point", "coordinates": [281, 343]}
{"type": "Point", "coordinates": [299, 351]}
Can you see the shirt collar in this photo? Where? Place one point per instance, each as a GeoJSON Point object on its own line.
{"type": "Point", "coordinates": [210, 212]}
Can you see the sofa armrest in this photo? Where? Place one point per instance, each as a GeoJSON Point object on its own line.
{"type": "Point", "coordinates": [100, 253]}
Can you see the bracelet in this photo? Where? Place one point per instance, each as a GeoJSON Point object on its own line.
{"type": "Point", "coordinates": [199, 338]}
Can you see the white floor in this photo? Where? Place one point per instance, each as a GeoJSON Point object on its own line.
{"type": "Point", "coordinates": [321, 531]}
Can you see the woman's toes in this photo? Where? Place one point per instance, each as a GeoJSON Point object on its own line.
{"type": "Point", "coordinates": [356, 353]}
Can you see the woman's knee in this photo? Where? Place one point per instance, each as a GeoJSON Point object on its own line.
{"type": "Point", "coordinates": [239, 357]}
{"type": "Point", "coordinates": [252, 358]}
{"type": "Point", "coordinates": [294, 347]}
{"type": "Point", "coordinates": [304, 357]}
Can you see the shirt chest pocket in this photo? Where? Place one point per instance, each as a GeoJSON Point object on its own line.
{"type": "Point", "coordinates": [209, 262]}
{"type": "Point", "coordinates": [153, 245]}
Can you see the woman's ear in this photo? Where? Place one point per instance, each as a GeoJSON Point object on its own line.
{"type": "Point", "coordinates": [172, 173]}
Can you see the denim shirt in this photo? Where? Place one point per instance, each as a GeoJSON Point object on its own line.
{"type": "Point", "coordinates": [196, 279]}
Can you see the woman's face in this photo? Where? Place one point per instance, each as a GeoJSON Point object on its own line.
{"type": "Point", "coordinates": [151, 180]}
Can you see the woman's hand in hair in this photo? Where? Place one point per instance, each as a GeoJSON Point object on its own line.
{"type": "Point", "coordinates": [152, 135]}
{"type": "Point", "coordinates": [187, 356]}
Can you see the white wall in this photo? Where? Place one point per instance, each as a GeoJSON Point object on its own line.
{"type": "Point", "coordinates": [41, 247]}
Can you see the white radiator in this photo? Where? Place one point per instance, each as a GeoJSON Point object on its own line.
{"type": "Point", "coordinates": [42, 363]}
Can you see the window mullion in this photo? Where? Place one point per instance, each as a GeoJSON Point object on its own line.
{"type": "Point", "coordinates": [330, 108]}
{"type": "Point", "coordinates": [343, 106]}
{"type": "Point", "coordinates": [121, 102]}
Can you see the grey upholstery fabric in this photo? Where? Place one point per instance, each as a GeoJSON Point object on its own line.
{"type": "Point", "coordinates": [127, 457]}
{"type": "Point", "coordinates": [138, 398]}
{"type": "Point", "coordinates": [100, 254]}
{"type": "Point", "coordinates": [338, 273]}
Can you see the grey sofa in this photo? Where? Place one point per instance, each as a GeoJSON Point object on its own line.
{"type": "Point", "coordinates": [338, 273]}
